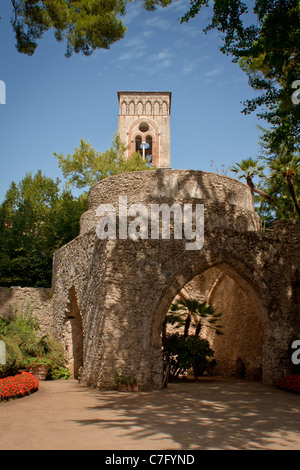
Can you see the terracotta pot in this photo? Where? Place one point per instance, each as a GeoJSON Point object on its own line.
{"type": "Point", "coordinates": [40, 371]}
{"type": "Point", "coordinates": [123, 388]}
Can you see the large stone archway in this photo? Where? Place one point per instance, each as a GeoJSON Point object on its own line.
{"type": "Point", "coordinates": [239, 348]}
{"type": "Point", "coordinates": [124, 287]}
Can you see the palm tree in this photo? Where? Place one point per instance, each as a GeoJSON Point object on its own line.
{"type": "Point", "coordinates": [248, 169]}
{"type": "Point", "coordinates": [288, 167]}
{"type": "Point", "coordinates": [189, 312]}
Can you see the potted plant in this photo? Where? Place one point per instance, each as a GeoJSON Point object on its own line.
{"type": "Point", "coordinates": [134, 384]}
{"type": "Point", "coordinates": [37, 366]}
{"type": "Point", "coordinates": [125, 383]}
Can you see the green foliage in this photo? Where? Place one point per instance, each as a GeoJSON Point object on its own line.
{"type": "Point", "coordinates": [279, 190]}
{"type": "Point", "coordinates": [36, 219]}
{"type": "Point", "coordinates": [189, 313]}
{"type": "Point", "coordinates": [187, 352]}
{"type": "Point", "coordinates": [25, 346]}
{"type": "Point", "coordinates": [32, 361]}
{"type": "Point", "coordinates": [86, 166]}
{"type": "Point", "coordinates": [55, 351]}
{"type": "Point", "coordinates": [58, 373]}
{"type": "Point", "coordinates": [22, 328]}
{"type": "Point", "coordinates": [265, 42]}
{"type": "Point", "coordinates": [86, 25]}
{"type": "Point", "coordinates": [184, 350]}
{"type": "Point", "coordinates": [248, 169]}
{"type": "Point", "coordinates": [14, 357]}
{"type": "Point", "coordinates": [121, 379]}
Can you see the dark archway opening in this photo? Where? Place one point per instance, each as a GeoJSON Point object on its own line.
{"type": "Point", "coordinates": [74, 340]}
{"type": "Point", "coordinates": [238, 350]}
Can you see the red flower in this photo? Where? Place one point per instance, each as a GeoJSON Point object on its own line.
{"type": "Point", "coordinates": [290, 383]}
{"type": "Point", "coordinates": [17, 386]}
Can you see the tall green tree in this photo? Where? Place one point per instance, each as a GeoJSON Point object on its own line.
{"type": "Point", "coordinates": [86, 166]}
{"type": "Point", "coordinates": [189, 313]}
{"type": "Point", "coordinates": [277, 193]}
{"type": "Point", "coordinates": [264, 37]}
{"type": "Point", "coordinates": [85, 25]}
{"type": "Point", "coordinates": [282, 184]}
{"type": "Point", "coordinates": [249, 169]}
{"type": "Point", "coordinates": [287, 167]}
{"type": "Point", "coordinates": [36, 219]}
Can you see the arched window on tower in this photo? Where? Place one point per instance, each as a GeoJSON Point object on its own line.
{"type": "Point", "coordinates": [138, 144]}
{"type": "Point", "coordinates": [148, 149]}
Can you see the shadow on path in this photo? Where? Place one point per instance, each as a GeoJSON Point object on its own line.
{"type": "Point", "coordinates": [211, 414]}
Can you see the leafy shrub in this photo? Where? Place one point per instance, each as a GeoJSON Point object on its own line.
{"type": "Point", "coordinates": [58, 372]}
{"type": "Point", "coordinates": [14, 359]}
{"type": "Point", "coordinates": [33, 361]}
{"type": "Point", "coordinates": [18, 386]}
{"type": "Point", "coordinates": [22, 328]}
{"type": "Point", "coordinates": [55, 350]}
{"type": "Point", "coordinates": [20, 332]}
{"type": "Point", "coordinates": [290, 383]}
{"type": "Point", "coordinates": [187, 352]}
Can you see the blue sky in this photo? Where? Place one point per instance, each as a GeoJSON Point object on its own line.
{"type": "Point", "coordinates": [52, 101]}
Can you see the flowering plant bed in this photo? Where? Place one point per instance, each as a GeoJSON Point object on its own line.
{"type": "Point", "coordinates": [290, 383]}
{"type": "Point", "coordinates": [33, 361]}
{"type": "Point", "coordinates": [38, 366]}
{"type": "Point", "coordinates": [18, 386]}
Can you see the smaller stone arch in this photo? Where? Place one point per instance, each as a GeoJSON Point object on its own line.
{"type": "Point", "coordinates": [138, 143]}
{"type": "Point", "coordinates": [151, 130]}
{"type": "Point", "coordinates": [139, 108]}
{"type": "Point", "coordinates": [164, 109]}
{"type": "Point", "coordinates": [156, 108]}
{"type": "Point", "coordinates": [149, 148]}
{"type": "Point", "coordinates": [124, 107]}
{"type": "Point", "coordinates": [148, 108]}
{"type": "Point", "coordinates": [74, 335]}
{"type": "Point", "coordinates": [131, 108]}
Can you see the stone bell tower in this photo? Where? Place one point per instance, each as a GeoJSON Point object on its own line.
{"type": "Point", "coordinates": [144, 124]}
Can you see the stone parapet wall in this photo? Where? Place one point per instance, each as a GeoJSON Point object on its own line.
{"type": "Point", "coordinates": [227, 202]}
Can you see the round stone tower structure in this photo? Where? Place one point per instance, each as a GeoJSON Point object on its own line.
{"type": "Point", "coordinates": [111, 295]}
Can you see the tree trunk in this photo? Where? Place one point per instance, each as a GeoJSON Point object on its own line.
{"type": "Point", "coordinates": [254, 189]}
{"type": "Point", "coordinates": [198, 328]}
{"type": "Point", "coordinates": [291, 187]}
{"type": "Point", "coordinates": [187, 325]}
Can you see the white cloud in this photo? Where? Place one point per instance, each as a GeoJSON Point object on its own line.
{"type": "Point", "coordinates": [155, 22]}
{"type": "Point", "coordinates": [215, 72]}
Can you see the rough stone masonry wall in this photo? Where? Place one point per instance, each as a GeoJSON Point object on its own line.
{"type": "Point", "coordinates": [123, 288]}
{"type": "Point", "coordinates": [37, 301]}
